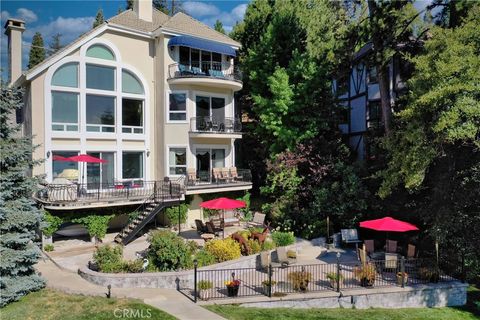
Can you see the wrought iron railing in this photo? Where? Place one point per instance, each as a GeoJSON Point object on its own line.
{"type": "Point", "coordinates": [118, 191]}
{"type": "Point", "coordinates": [316, 277]}
{"type": "Point", "coordinates": [215, 125]}
{"type": "Point", "coordinates": [224, 176]}
{"type": "Point", "coordinates": [215, 70]}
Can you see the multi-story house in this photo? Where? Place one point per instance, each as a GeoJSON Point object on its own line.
{"type": "Point", "coordinates": [149, 94]}
{"type": "Point", "coordinates": [359, 93]}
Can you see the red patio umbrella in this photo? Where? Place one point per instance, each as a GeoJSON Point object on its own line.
{"type": "Point", "coordinates": [59, 158]}
{"type": "Point", "coordinates": [223, 204]}
{"type": "Point", "coordinates": [85, 158]}
{"type": "Point", "coordinates": [388, 224]}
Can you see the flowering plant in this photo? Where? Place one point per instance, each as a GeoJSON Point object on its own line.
{"type": "Point", "coordinates": [232, 283]}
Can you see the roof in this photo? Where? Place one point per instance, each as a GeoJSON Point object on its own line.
{"type": "Point", "coordinates": [183, 23]}
{"type": "Point", "coordinates": [179, 23]}
{"type": "Point", "coordinates": [130, 20]}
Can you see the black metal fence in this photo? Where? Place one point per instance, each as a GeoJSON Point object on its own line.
{"type": "Point", "coordinates": [215, 124]}
{"type": "Point", "coordinates": [278, 280]}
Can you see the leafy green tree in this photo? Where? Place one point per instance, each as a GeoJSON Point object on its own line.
{"type": "Point", "coordinates": [99, 19]}
{"type": "Point", "coordinates": [19, 217]}
{"type": "Point", "coordinates": [218, 26]}
{"type": "Point", "coordinates": [56, 44]}
{"type": "Point", "coordinates": [37, 51]}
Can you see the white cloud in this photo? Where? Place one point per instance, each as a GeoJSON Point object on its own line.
{"type": "Point", "coordinates": [200, 9]}
{"type": "Point", "coordinates": [4, 16]}
{"type": "Point", "coordinates": [239, 11]}
{"type": "Point", "coordinates": [26, 15]}
{"type": "Point", "coordinates": [228, 19]}
{"type": "Point", "coordinates": [69, 28]}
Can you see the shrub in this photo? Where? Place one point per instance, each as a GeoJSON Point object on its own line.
{"type": "Point", "coordinates": [254, 246]}
{"type": "Point", "coordinates": [224, 250]}
{"type": "Point", "coordinates": [53, 223]}
{"type": "Point", "coordinates": [96, 225]}
{"type": "Point", "coordinates": [204, 284]}
{"type": "Point", "coordinates": [244, 233]}
{"type": "Point", "coordinates": [168, 251]}
{"type": "Point", "coordinates": [109, 258]}
{"type": "Point", "coordinates": [299, 279]}
{"type": "Point", "coordinates": [49, 247]}
{"type": "Point", "coordinates": [282, 239]}
{"type": "Point", "coordinates": [268, 245]}
{"type": "Point", "coordinates": [255, 229]}
{"type": "Point", "coordinates": [205, 258]}
{"type": "Point", "coordinates": [134, 266]}
{"type": "Point", "coordinates": [172, 214]}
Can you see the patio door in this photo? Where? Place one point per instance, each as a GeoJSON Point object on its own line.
{"type": "Point", "coordinates": [206, 160]}
{"type": "Point", "coordinates": [211, 110]}
{"type": "Point", "coordinates": [101, 175]}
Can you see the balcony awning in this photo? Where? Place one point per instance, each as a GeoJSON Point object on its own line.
{"type": "Point", "coordinates": [202, 44]}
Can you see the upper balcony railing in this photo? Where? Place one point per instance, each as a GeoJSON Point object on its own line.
{"type": "Point", "coordinates": [213, 70]}
{"type": "Point", "coordinates": [214, 125]}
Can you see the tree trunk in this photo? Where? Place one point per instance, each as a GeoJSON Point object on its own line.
{"type": "Point", "coordinates": [384, 87]}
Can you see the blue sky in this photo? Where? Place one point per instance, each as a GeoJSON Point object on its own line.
{"type": "Point", "coordinates": [72, 18]}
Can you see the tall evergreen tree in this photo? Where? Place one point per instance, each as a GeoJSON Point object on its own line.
{"type": "Point", "coordinates": [37, 51]}
{"type": "Point", "coordinates": [129, 5]}
{"type": "Point", "coordinates": [56, 44]}
{"type": "Point", "coordinates": [219, 26]}
{"type": "Point", "coordinates": [98, 18]}
{"type": "Point", "coordinates": [161, 5]}
{"type": "Point", "coordinates": [19, 217]}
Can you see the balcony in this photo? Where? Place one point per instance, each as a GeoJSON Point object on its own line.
{"type": "Point", "coordinates": [217, 180]}
{"type": "Point", "coordinates": [211, 74]}
{"type": "Point", "coordinates": [211, 127]}
{"type": "Point", "coordinates": [71, 195]}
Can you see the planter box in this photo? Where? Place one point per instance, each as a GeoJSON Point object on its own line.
{"type": "Point", "coordinates": [232, 291]}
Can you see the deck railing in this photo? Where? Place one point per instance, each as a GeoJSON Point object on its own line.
{"type": "Point", "coordinates": [224, 178]}
{"type": "Point", "coordinates": [215, 125]}
{"type": "Point", "coordinates": [118, 191]}
{"type": "Point", "coordinates": [216, 70]}
{"type": "Point", "coordinates": [316, 277]}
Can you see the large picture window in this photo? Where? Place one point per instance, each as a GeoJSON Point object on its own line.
{"type": "Point", "coordinates": [100, 113]}
{"type": "Point", "coordinates": [132, 116]}
{"type": "Point", "coordinates": [100, 77]}
{"type": "Point", "coordinates": [64, 111]}
{"type": "Point", "coordinates": [132, 165]}
{"type": "Point", "coordinates": [211, 108]}
{"type": "Point", "coordinates": [177, 110]}
{"type": "Point", "coordinates": [64, 169]}
{"type": "Point", "coordinates": [177, 161]}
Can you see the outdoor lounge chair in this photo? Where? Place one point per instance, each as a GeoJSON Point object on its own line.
{"type": "Point", "coordinates": [350, 236]}
{"type": "Point", "coordinates": [258, 220]}
{"type": "Point", "coordinates": [212, 229]}
{"type": "Point", "coordinates": [217, 175]}
{"type": "Point", "coordinates": [230, 219]}
{"type": "Point", "coordinates": [391, 246]}
{"type": "Point", "coordinates": [411, 251]}
{"type": "Point", "coordinates": [201, 228]}
{"type": "Point", "coordinates": [283, 259]}
{"type": "Point", "coordinates": [192, 176]}
{"type": "Point", "coordinates": [391, 261]}
{"type": "Point", "coordinates": [234, 174]}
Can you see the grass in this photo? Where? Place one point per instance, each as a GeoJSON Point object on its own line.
{"type": "Point", "coordinates": [48, 304]}
{"type": "Point", "coordinates": [469, 311]}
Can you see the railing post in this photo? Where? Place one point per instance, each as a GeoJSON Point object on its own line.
{"type": "Point", "coordinates": [155, 190]}
{"type": "Point", "coordinates": [402, 270]}
{"type": "Point", "coordinates": [338, 272]}
{"type": "Point", "coordinates": [98, 192]}
{"type": "Point", "coordinates": [170, 188]}
{"type": "Point", "coordinates": [195, 265]}
{"type": "Point", "coordinates": [270, 272]}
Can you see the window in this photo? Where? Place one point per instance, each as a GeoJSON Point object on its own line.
{"type": "Point", "coordinates": [99, 77]}
{"type": "Point", "coordinates": [130, 83]}
{"type": "Point", "coordinates": [100, 113]}
{"type": "Point", "coordinates": [66, 76]}
{"type": "Point", "coordinates": [372, 74]}
{"type": "Point", "coordinates": [100, 52]}
{"type": "Point", "coordinates": [210, 108]}
{"type": "Point", "coordinates": [205, 60]}
{"type": "Point", "coordinates": [64, 169]}
{"type": "Point", "coordinates": [132, 165]}
{"type": "Point", "coordinates": [374, 114]}
{"type": "Point", "coordinates": [177, 161]}
{"type": "Point", "coordinates": [101, 175]}
{"type": "Point", "coordinates": [177, 109]}
{"type": "Point", "coordinates": [64, 111]}
{"type": "Point", "coordinates": [342, 85]}
{"type": "Point", "coordinates": [132, 116]}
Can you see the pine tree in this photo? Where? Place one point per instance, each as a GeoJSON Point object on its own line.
{"type": "Point", "coordinates": [37, 51]}
{"type": "Point", "coordinates": [161, 5]}
{"type": "Point", "coordinates": [129, 5]}
{"type": "Point", "coordinates": [98, 18]}
{"type": "Point", "coordinates": [56, 44]}
{"type": "Point", "coordinates": [219, 26]}
{"type": "Point", "coordinates": [19, 217]}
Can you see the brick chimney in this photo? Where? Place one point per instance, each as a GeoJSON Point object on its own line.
{"type": "Point", "coordinates": [14, 29]}
{"type": "Point", "coordinates": [143, 9]}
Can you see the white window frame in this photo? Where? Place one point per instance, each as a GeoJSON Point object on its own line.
{"type": "Point", "coordinates": [144, 158]}
{"type": "Point", "coordinates": [167, 107]}
{"type": "Point", "coordinates": [167, 159]}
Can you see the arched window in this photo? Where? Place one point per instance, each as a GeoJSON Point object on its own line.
{"type": "Point", "coordinates": [130, 83]}
{"type": "Point", "coordinates": [100, 52]}
{"type": "Point", "coordinates": [65, 103]}
{"type": "Point", "coordinates": [66, 76]}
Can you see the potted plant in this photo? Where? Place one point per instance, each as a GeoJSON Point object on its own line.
{"type": "Point", "coordinates": [400, 276]}
{"type": "Point", "coordinates": [232, 287]}
{"type": "Point", "coordinates": [365, 274]}
{"type": "Point", "coordinates": [204, 287]}
{"type": "Point", "coordinates": [267, 286]}
{"type": "Point", "coordinates": [430, 274]}
{"type": "Point", "coordinates": [300, 280]}
{"type": "Point", "coordinates": [334, 277]}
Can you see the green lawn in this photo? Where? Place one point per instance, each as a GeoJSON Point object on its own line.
{"type": "Point", "coordinates": [467, 312]}
{"type": "Point", "coordinates": [49, 304]}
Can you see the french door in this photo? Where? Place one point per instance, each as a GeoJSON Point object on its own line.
{"type": "Point", "coordinates": [101, 175]}
{"type": "Point", "coordinates": [208, 158]}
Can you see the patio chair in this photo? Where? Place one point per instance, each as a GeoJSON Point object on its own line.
{"type": "Point", "coordinates": [258, 220]}
{"type": "Point", "coordinates": [225, 174]}
{"type": "Point", "coordinates": [201, 228]}
{"type": "Point", "coordinates": [234, 174]}
{"type": "Point", "coordinates": [391, 261]}
{"type": "Point", "coordinates": [230, 219]}
{"type": "Point", "coordinates": [350, 236]}
{"type": "Point", "coordinates": [197, 71]}
{"type": "Point", "coordinates": [217, 175]}
{"type": "Point", "coordinates": [283, 259]}
{"type": "Point", "coordinates": [212, 229]}
{"type": "Point", "coordinates": [192, 176]}
{"type": "Point", "coordinates": [369, 246]}
{"type": "Point", "coordinates": [411, 251]}
{"type": "Point", "coordinates": [391, 246]}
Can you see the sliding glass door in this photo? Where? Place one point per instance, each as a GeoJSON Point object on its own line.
{"type": "Point", "coordinates": [210, 112]}
{"type": "Point", "coordinates": [206, 160]}
{"type": "Point", "coordinates": [101, 175]}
